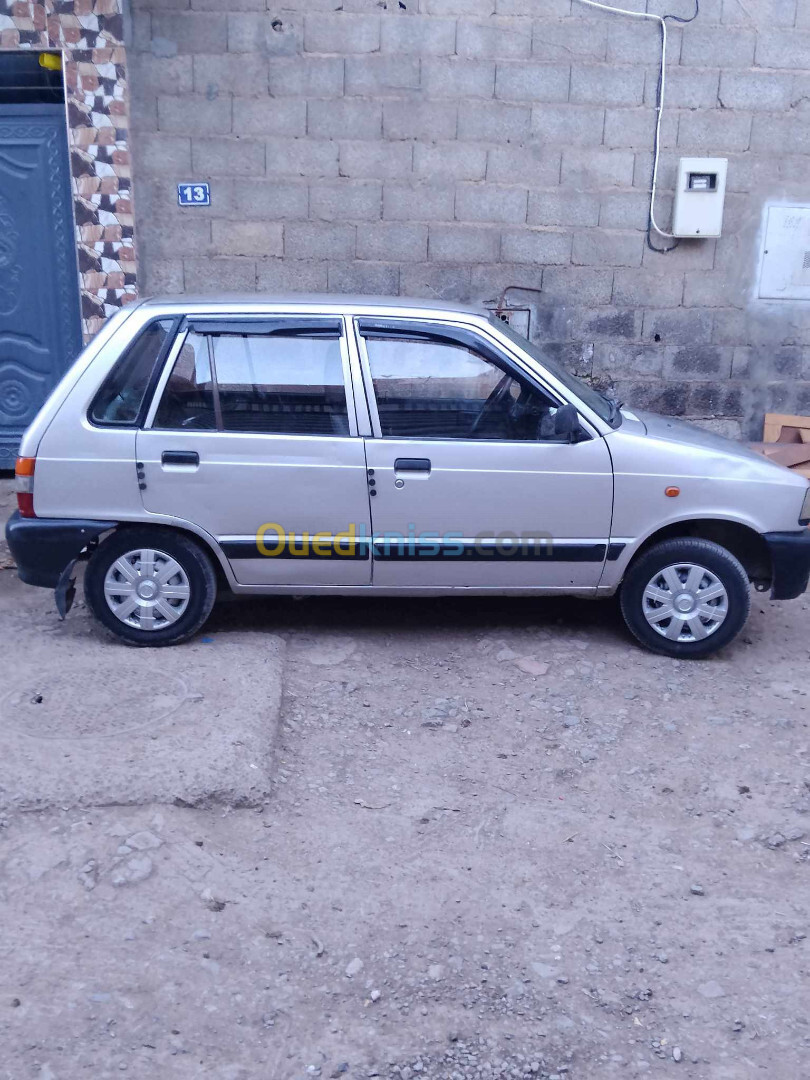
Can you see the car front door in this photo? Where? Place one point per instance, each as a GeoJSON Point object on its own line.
{"type": "Point", "coordinates": [252, 436]}
{"type": "Point", "coordinates": [474, 484]}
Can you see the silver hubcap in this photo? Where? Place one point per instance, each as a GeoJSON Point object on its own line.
{"type": "Point", "coordinates": [147, 589]}
{"type": "Point", "coordinates": [685, 603]}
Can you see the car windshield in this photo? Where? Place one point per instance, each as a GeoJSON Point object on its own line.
{"type": "Point", "coordinates": [608, 410]}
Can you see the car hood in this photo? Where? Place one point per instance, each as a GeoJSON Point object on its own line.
{"type": "Point", "coordinates": [668, 429]}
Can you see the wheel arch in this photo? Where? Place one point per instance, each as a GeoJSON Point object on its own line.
{"type": "Point", "coordinates": [203, 539]}
{"type": "Point", "coordinates": [744, 542]}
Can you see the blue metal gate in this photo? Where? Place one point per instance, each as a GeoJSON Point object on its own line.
{"type": "Point", "coordinates": [40, 323]}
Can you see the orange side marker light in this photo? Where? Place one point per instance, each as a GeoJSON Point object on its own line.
{"type": "Point", "coordinates": [672, 492]}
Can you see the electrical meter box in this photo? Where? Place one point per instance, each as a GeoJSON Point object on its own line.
{"type": "Point", "coordinates": [700, 194]}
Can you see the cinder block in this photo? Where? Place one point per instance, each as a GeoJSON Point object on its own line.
{"type": "Point", "coordinates": [162, 276]}
{"type": "Point", "coordinates": [420, 35]}
{"type": "Point", "coordinates": [436, 282]}
{"type": "Point", "coordinates": [143, 115]}
{"type": "Point", "coordinates": [494, 38]}
{"type": "Point", "coordinates": [755, 90]}
{"type": "Point", "coordinates": [265, 33]}
{"type": "Point", "coordinates": [459, 7]}
{"type": "Point", "coordinates": [626, 210]}
{"type": "Point", "coordinates": [227, 157]}
{"type": "Point", "coordinates": [219, 275]}
{"type": "Point", "coordinates": [688, 255]}
{"type": "Point", "coordinates": [669, 399]}
{"type": "Point", "coordinates": [382, 75]}
{"type": "Point", "coordinates": [174, 237]}
{"type": "Point", "coordinates": [376, 159]}
{"type": "Point", "coordinates": [607, 84]}
{"type": "Point", "coordinates": [783, 49]}
{"type": "Point", "coordinates": [534, 164]}
{"type": "Point", "coordinates": [578, 284]}
{"type": "Point", "coordinates": [191, 31]}
{"type": "Point", "coordinates": [536, 246]}
{"type": "Point", "coordinates": [380, 279]}
{"type": "Point", "coordinates": [562, 207]}
{"type": "Point", "coordinates": [603, 324]}
{"type": "Point", "coordinates": [420, 119]}
{"type": "Point", "coordinates": [341, 33]}
{"type": "Point", "coordinates": [311, 158]}
{"type": "Point", "coordinates": [697, 361]}
{"type": "Point", "coordinates": [290, 275]}
{"type": "Point", "coordinates": [766, 13]}
{"type": "Point", "coordinates": [158, 75]}
{"type": "Point", "coordinates": [634, 41]}
{"type": "Point", "coordinates": [636, 128]}
{"type": "Point", "coordinates": [710, 288]}
{"type": "Point", "coordinates": [393, 241]}
{"type": "Point", "coordinates": [648, 288]}
{"type": "Point", "coordinates": [678, 326]}
{"type": "Point", "coordinates": [450, 160]}
{"type": "Point", "coordinates": [544, 9]}
{"type": "Point", "coordinates": [489, 279]}
{"type": "Point", "coordinates": [344, 119]}
{"type": "Point", "coordinates": [712, 46]}
{"type": "Point", "coordinates": [418, 202]}
{"type": "Point", "coordinates": [568, 125]}
{"type": "Point", "coordinates": [231, 73]}
{"type": "Point", "coordinates": [160, 154]}
{"type": "Point", "coordinates": [349, 200]}
{"type": "Point", "coordinates": [592, 170]}
{"type": "Point", "coordinates": [614, 360]}
{"type": "Point", "coordinates": [711, 132]}
{"type": "Point", "coordinates": [269, 116]}
{"type": "Point", "coordinates": [772, 134]}
{"type": "Point", "coordinates": [195, 114]}
{"type": "Point", "coordinates": [494, 122]}
{"type": "Point", "coordinates": [530, 81]}
{"type": "Point", "coordinates": [572, 40]}
{"type": "Point", "coordinates": [597, 247]}
{"type": "Point", "coordinates": [259, 238]}
{"type": "Point", "coordinates": [269, 199]}
{"type": "Point", "coordinates": [490, 202]}
{"type": "Point", "coordinates": [307, 76]}
{"type": "Point", "coordinates": [317, 240]}
{"type": "Point", "coordinates": [458, 78]}
{"type": "Point", "coordinates": [687, 88]}
{"type": "Point", "coordinates": [464, 244]}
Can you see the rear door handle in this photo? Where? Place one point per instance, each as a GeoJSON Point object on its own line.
{"type": "Point", "coordinates": [179, 457]}
{"type": "Point", "coordinates": [412, 464]}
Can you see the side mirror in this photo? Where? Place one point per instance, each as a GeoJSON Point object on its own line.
{"type": "Point", "coordinates": [566, 423]}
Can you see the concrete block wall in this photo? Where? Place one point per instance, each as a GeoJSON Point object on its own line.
{"type": "Point", "coordinates": [449, 148]}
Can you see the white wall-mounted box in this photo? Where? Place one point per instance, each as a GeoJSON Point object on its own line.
{"type": "Point", "coordinates": [700, 195]}
{"type": "Point", "coordinates": [785, 268]}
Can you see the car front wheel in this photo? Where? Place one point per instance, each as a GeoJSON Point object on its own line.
{"type": "Point", "coordinates": [150, 586]}
{"type": "Point", "coordinates": [686, 598]}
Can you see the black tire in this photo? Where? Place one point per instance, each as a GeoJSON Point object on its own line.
{"type": "Point", "coordinates": [701, 553]}
{"type": "Point", "coordinates": [195, 563]}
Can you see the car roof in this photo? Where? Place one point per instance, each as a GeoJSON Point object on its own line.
{"type": "Point", "coordinates": [344, 302]}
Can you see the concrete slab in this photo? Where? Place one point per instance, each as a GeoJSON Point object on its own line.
{"type": "Point", "coordinates": [85, 721]}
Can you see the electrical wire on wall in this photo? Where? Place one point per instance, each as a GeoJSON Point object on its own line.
{"type": "Point", "coordinates": [659, 105]}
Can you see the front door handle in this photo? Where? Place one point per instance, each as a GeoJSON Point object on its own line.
{"type": "Point", "coordinates": [180, 457]}
{"type": "Point", "coordinates": [412, 464]}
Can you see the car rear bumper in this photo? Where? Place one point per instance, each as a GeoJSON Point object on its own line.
{"type": "Point", "coordinates": [790, 559]}
{"type": "Point", "coordinates": [44, 547]}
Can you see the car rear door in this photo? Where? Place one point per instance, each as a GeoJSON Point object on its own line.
{"type": "Point", "coordinates": [472, 487]}
{"type": "Point", "coordinates": [252, 436]}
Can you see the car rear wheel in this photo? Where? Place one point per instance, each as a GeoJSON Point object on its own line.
{"type": "Point", "coordinates": [150, 586]}
{"type": "Point", "coordinates": [686, 598]}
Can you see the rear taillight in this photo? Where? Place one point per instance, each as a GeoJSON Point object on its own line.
{"type": "Point", "coordinates": [24, 473]}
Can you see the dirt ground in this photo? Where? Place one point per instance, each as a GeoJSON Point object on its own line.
{"type": "Point", "coordinates": [501, 841]}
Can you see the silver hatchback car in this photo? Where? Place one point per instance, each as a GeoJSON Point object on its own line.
{"type": "Point", "coordinates": [354, 445]}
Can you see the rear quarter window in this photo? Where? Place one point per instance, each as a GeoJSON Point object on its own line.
{"type": "Point", "coordinates": [120, 398]}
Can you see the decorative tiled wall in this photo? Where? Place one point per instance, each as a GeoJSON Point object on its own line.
{"type": "Point", "coordinates": [90, 34]}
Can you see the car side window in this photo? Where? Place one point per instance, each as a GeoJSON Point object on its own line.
{"type": "Point", "coordinates": [285, 383]}
{"type": "Point", "coordinates": [121, 395]}
{"type": "Point", "coordinates": [433, 389]}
